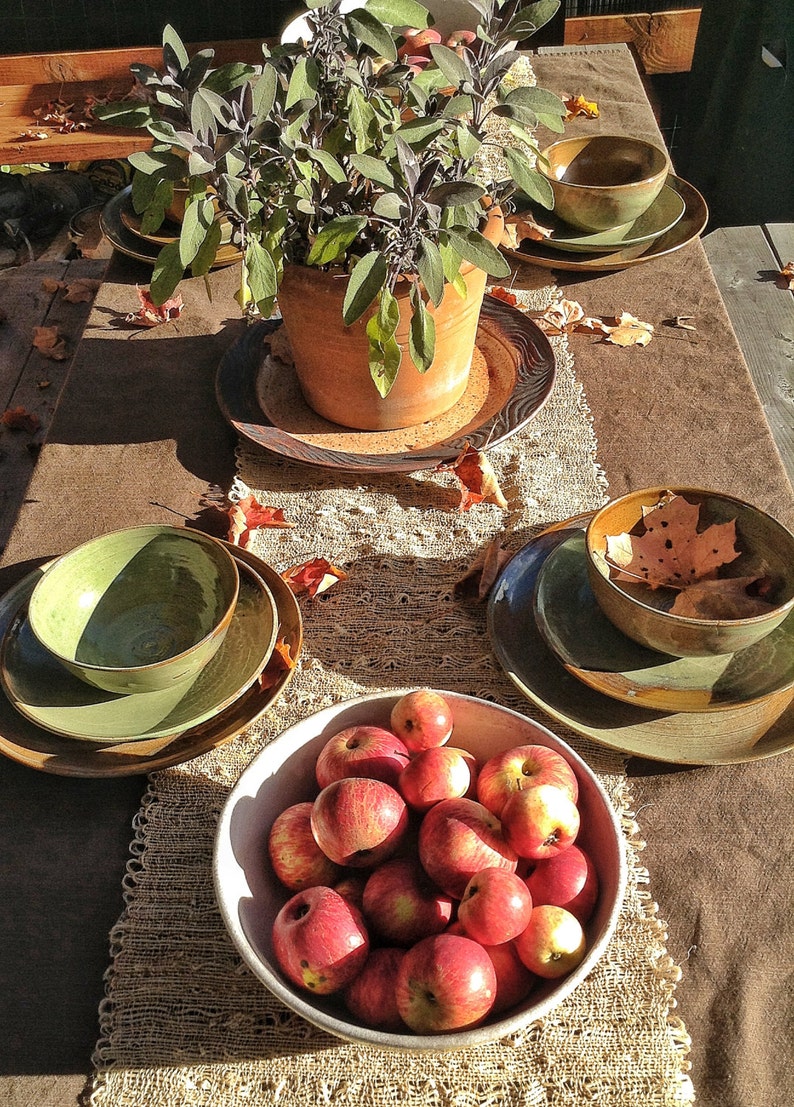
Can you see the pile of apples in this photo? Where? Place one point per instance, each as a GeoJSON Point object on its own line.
{"type": "Point", "coordinates": [430, 892]}
{"type": "Point", "coordinates": [415, 50]}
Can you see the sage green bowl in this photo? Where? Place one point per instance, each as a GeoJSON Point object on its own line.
{"type": "Point", "coordinates": [137, 610]}
{"type": "Point", "coordinates": [766, 551]}
{"type": "Point", "coordinates": [603, 181]}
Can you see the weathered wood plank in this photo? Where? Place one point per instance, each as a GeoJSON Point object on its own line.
{"type": "Point", "coordinates": [664, 41]}
{"type": "Point", "coordinates": [762, 314]}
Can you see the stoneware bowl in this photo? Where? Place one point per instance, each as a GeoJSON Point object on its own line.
{"type": "Point", "coordinates": [605, 181]}
{"type": "Point", "coordinates": [250, 896]}
{"type": "Point", "coordinates": [137, 610]}
{"type": "Point", "coordinates": [767, 549]}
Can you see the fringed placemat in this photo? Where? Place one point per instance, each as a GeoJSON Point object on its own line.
{"type": "Point", "coordinates": [184, 1021]}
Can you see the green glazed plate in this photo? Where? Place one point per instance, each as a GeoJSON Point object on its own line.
{"type": "Point", "coordinates": [594, 650]}
{"type": "Point", "coordinates": [42, 690]}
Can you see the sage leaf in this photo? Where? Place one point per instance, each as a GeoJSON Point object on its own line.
{"type": "Point", "coordinates": [431, 270]}
{"type": "Point", "coordinates": [304, 82]}
{"type": "Point", "coordinates": [196, 223]}
{"type": "Point", "coordinates": [262, 276]}
{"type": "Point", "coordinates": [475, 248]}
{"type": "Point", "coordinates": [334, 238]}
{"type": "Point", "coordinates": [399, 13]}
{"type": "Point", "coordinates": [421, 334]}
{"type": "Point", "coordinates": [374, 169]}
{"type": "Point", "coordinates": [172, 42]}
{"type": "Point", "coordinates": [371, 31]}
{"type": "Point", "coordinates": [168, 272]}
{"type": "Point", "coordinates": [455, 69]}
{"type": "Point", "coordinates": [365, 284]}
{"type": "Point", "coordinates": [205, 255]}
{"type": "Point", "coordinates": [528, 179]}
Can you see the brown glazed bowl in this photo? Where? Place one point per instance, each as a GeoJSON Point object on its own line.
{"type": "Point", "coordinates": [767, 549]}
{"type": "Point", "coordinates": [604, 181]}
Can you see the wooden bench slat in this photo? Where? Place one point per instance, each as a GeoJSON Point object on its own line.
{"type": "Point", "coordinates": [663, 41]}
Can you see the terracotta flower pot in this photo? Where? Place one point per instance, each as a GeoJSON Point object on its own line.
{"type": "Point", "coordinates": [331, 360]}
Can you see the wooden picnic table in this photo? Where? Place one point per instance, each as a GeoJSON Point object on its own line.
{"type": "Point", "coordinates": [138, 437]}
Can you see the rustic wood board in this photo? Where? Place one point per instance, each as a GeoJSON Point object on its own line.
{"type": "Point", "coordinates": [664, 41]}
{"type": "Point", "coordinates": [27, 378]}
{"type": "Point", "coordinates": [746, 263]}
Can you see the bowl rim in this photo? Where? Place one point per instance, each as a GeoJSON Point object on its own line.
{"type": "Point", "coordinates": [545, 169]}
{"type": "Point", "coordinates": [200, 537]}
{"type": "Point", "coordinates": [223, 858]}
{"type": "Point", "coordinates": [675, 619]}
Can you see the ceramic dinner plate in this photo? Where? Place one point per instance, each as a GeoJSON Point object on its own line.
{"type": "Point", "coordinates": [736, 734]}
{"type": "Point", "coordinates": [686, 230]}
{"type": "Point", "coordinates": [661, 216]}
{"type": "Point", "coordinates": [47, 694]}
{"type": "Point", "coordinates": [594, 650]}
{"type": "Point", "coordinates": [133, 244]}
{"type": "Point", "coordinates": [29, 744]}
{"type": "Point", "coordinates": [512, 377]}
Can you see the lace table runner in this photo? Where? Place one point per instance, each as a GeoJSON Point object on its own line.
{"type": "Point", "coordinates": [184, 1021]}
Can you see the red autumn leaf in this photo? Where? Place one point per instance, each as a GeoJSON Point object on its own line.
{"type": "Point", "coordinates": [280, 661]}
{"type": "Point", "coordinates": [671, 552]}
{"type": "Point", "coordinates": [499, 293]}
{"type": "Point", "coordinates": [50, 343]}
{"type": "Point", "coordinates": [787, 276]}
{"type": "Point", "coordinates": [19, 418]}
{"type": "Point", "coordinates": [248, 515]}
{"type": "Point", "coordinates": [578, 105]}
{"type": "Point", "coordinates": [314, 576]}
{"type": "Point", "coordinates": [152, 315]}
{"type": "Point", "coordinates": [477, 479]}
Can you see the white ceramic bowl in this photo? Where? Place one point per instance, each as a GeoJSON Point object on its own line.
{"type": "Point", "coordinates": [249, 895]}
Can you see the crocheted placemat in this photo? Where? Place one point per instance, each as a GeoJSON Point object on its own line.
{"type": "Point", "coordinates": [184, 1021]}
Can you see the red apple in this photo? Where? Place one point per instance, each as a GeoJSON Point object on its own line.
{"type": "Point", "coordinates": [320, 940]}
{"type": "Point", "coordinates": [523, 767]}
{"type": "Point", "coordinates": [553, 942]}
{"type": "Point", "coordinates": [541, 821]}
{"type": "Point", "coordinates": [418, 42]}
{"type": "Point", "coordinates": [422, 719]}
{"type": "Point", "coordinates": [296, 858]}
{"type": "Point", "coordinates": [459, 40]}
{"type": "Point", "coordinates": [402, 904]}
{"type": "Point", "coordinates": [441, 772]}
{"type": "Point", "coordinates": [351, 886]}
{"type": "Point", "coordinates": [514, 981]}
{"type": "Point", "coordinates": [372, 996]}
{"type": "Point", "coordinates": [361, 751]}
{"type": "Point", "coordinates": [567, 880]}
{"type": "Point", "coordinates": [358, 821]}
{"type": "Point", "coordinates": [445, 983]}
{"type": "Point", "coordinates": [495, 907]}
{"type": "Point", "coordinates": [458, 838]}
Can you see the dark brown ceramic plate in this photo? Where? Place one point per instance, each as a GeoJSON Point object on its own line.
{"type": "Point", "coordinates": [32, 745]}
{"type": "Point", "coordinates": [512, 377]}
{"type": "Point", "coordinates": [686, 230]}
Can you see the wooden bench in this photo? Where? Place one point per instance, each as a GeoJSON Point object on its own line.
{"type": "Point", "coordinates": [746, 262]}
{"type": "Point", "coordinates": [30, 81]}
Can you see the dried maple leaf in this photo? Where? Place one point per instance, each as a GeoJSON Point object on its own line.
{"type": "Point", "coordinates": [477, 479]}
{"type": "Point", "coordinates": [314, 576]}
{"type": "Point", "coordinates": [561, 317]}
{"type": "Point", "coordinates": [787, 274]}
{"type": "Point", "coordinates": [672, 552]}
{"type": "Point", "coordinates": [152, 315]}
{"type": "Point", "coordinates": [629, 331]}
{"type": "Point", "coordinates": [19, 418]}
{"type": "Point", "coordinates": [577, 105]}
{"type": "Point", "coordinates": [82, 290]}
{"type": "Point", "coordinates": [50, 343]}
{"type": "Point", "coordinates": [248, 515]}
{"type": "Point", "coordinates": [505, 295]}
{"type": "Point", "coordinates": [280, 661]}
{"type": "Point", "coordinates": [481, 575]}
{"type": "Point", "coordinates": [727, 598]}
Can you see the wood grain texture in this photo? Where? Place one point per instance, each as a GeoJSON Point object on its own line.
{"type": "Point", "coordinates": [746, 262]}
{"type": "Point", "coordinates": [664, 41]}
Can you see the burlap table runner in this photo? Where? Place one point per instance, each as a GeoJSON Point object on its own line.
{"type": "Point", "coordinates": [184, 1021]}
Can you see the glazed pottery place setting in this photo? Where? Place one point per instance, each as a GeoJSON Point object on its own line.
{"type": "Point", "coordinates": [617, 203]}
{"type": "Point", "coordinates": [137, 649]}
{"type": "Point", "coordinates": [606, 655]}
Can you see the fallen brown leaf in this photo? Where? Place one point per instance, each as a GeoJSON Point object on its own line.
{"type": "Point", "coordinates": [19, 418]}
{"type": "Point", "coordinates": [50, 343]}
{"type": "Point", "coordinates": [480, 577]}
{"type": "Point", "coordinates": [314, 576]}
{"type": "Point", "coordinates": [629, 331]}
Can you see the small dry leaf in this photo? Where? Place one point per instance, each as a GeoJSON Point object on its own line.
{"type": "Point", "coordinates": [504, 294]}
{"type": "Point", "coordinates": [35, 136]}
{"type": "Point", "coordinates": [720, 599]}
{"type": "Point", "coordinates": [478, 483]}
{"type": "Point", "coordinates": [787, 275]}
{"type": "Point", "coordinates": [562, 317]}
{"type": "Point", "coordinates": [50, 343]}
{"type": "Point", "coordinates": [152, 315]}
{"type": "Point", "coordinates": [522, 225]}
{"type": "Point", "coordinates": [49, 284]}
{"type": "Point", "coordinates": [629, 331]}
{"type": "Point", "coordinates": [314, 576]}
{"type": "Point", "coordinates": [280, 661]}
{"type": "Point", "coordinates": [578, 105]}
{"type": "Point", "coordinates": [481, 575]}
{"type": "Point", "coordinates": [279, 346]}
{"type": "Point", "coordinates": [672, 552]}
{"type": "Point", "coordinates": [249, 515]}
{"type": "Point", "coordinates": [19, 418]}
{"type": "Point", "coordinates": [82, 290]}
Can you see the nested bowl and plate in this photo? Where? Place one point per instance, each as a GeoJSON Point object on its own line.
{"type": "Point", "coordinates": [32, 745]}
{"type": "Point", "coordinates": [249, 895]}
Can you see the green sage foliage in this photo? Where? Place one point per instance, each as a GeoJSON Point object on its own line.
{"type": "Point", "coordinates": [339, 153]}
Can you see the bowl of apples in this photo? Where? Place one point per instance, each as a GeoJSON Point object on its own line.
{"type": "Point", "coordinates": [419, 869]}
